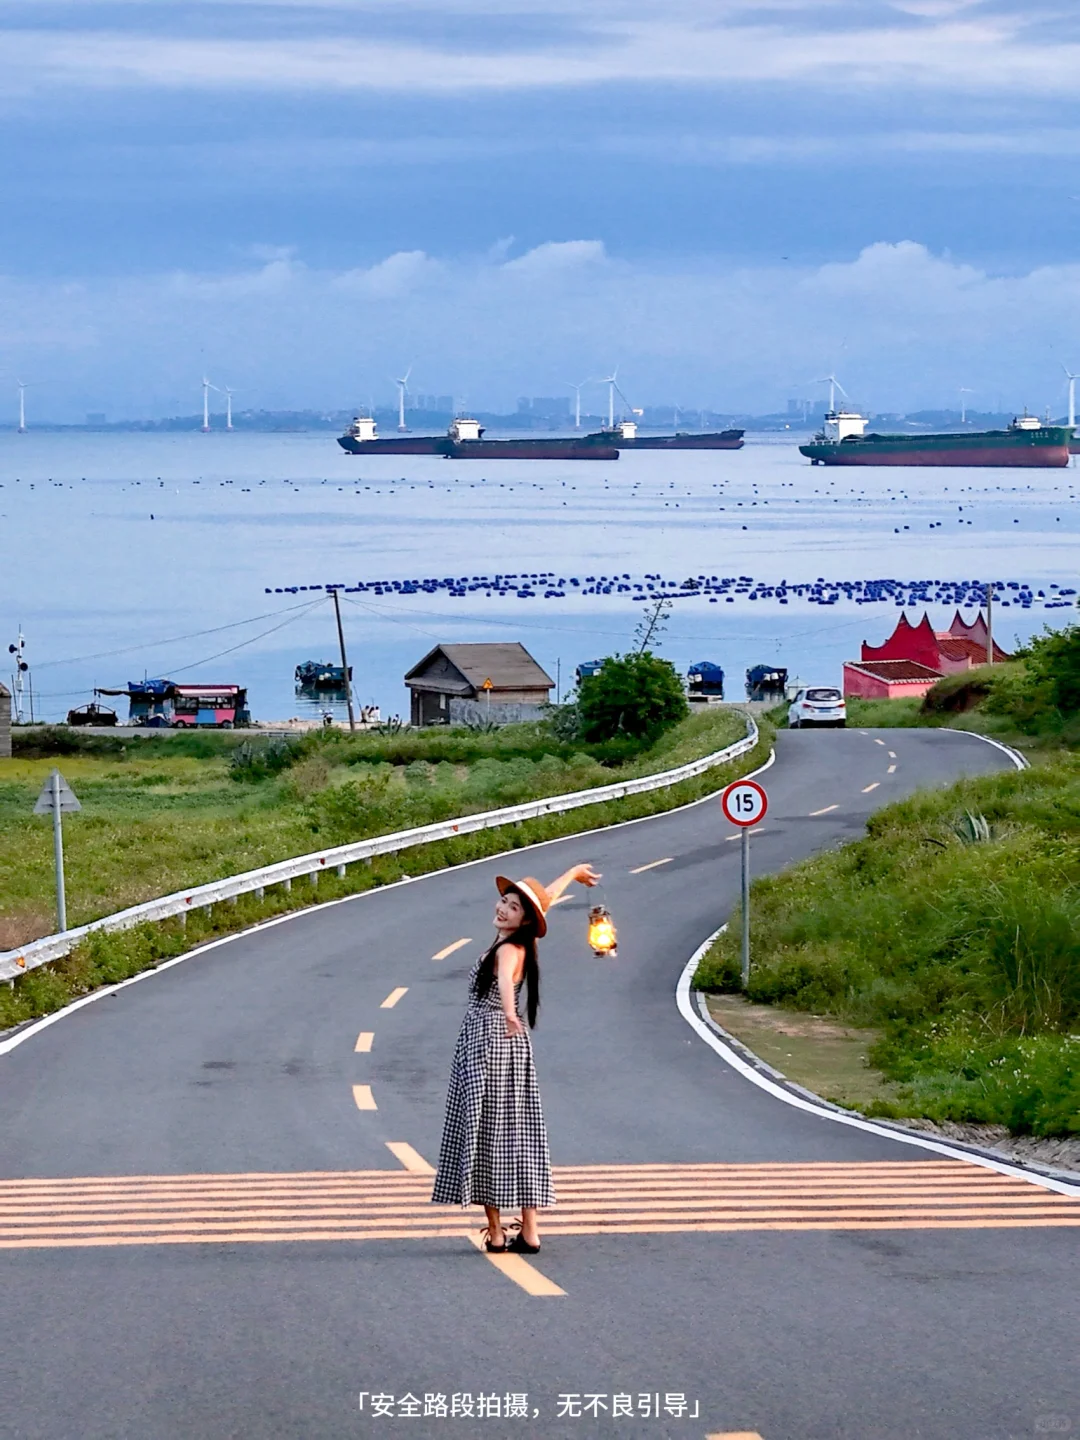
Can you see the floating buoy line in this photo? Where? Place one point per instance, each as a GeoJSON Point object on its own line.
{"type": "Point", "coordinates": [730, 589]}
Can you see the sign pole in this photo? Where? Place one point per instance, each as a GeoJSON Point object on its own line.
{"type": "Point", "coordinates": [58, 851]}
{"type": "Point", "coordinates": [745, 906]}
{"type": "Point", "coordinates": [744, 803]}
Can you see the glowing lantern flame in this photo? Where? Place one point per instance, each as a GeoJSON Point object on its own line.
{"type": "Point", "coordinates": [603, 936]}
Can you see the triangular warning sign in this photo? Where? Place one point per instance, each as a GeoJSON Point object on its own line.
{"type": "Point", "coordinates": [51, 792]}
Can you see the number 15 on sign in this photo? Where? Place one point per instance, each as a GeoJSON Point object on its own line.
{"type": "Point", "coordinates": [744, 803]}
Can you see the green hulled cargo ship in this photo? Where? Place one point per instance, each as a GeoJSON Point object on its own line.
{"type": "Point", "coordinates": [1026, 443]}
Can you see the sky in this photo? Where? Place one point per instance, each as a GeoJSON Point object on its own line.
{"type": "Point", "coordinates": [725, 199]}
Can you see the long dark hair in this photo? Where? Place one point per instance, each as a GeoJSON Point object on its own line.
{"type": "Point", "coordinates": [525, 936]}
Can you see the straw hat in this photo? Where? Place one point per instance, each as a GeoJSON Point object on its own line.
{"type": "Point", "coordinates": [534, 893]}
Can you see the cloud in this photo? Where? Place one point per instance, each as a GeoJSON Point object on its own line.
{"type": "Point", "coordinates": [975, 48]}
{"type": "Point", "coordinates": [901, 325]}
{"type": "Point", "coordinates": [397, 275]}
{"type": "Point", "coordinates": [556, 256]}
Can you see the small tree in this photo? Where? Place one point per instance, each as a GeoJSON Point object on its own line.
{"type": "Point", "coordinates": [638, 696]}
{"type": "Point", "coordinates": [1054, 660]}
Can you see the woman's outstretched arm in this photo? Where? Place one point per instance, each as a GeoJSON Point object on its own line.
{"type": "Point", "coordinates": [583, 874]}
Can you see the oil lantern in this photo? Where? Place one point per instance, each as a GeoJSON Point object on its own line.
{"type": "Point", "coordinates": [602, 933]}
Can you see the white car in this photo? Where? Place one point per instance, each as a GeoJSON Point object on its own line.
{"type": "Point", "coordinates": [817, 705]}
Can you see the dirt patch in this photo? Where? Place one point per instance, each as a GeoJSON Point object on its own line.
{"type": "Point", "coordinates": [829, 1058]}
{"type": "Point", "coordinates": [823, 1055]}
{"type": "Point", "coordinates": [19, 927]}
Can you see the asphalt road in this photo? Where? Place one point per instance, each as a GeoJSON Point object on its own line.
{"type": "Point", "coordinates": [792, 1277]}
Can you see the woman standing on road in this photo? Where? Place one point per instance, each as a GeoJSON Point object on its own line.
{"type": "Point", "coordinates": [494, 1148]}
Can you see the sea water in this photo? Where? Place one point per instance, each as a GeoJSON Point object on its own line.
{"type": "Point", "coordinates": [134, 555]}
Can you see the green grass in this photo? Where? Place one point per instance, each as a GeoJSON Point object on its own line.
{"type": "Point", "coordinates": [162, 814]}
{"type": "Point", "coordinates": [104, 959]}
{"type": "Point", "coordinates": [963, 952]}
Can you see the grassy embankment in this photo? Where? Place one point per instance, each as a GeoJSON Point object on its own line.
{"type": "Point", "coordinates": [950, 935]}
{"type": "Point", "coordinates": [162, 814]}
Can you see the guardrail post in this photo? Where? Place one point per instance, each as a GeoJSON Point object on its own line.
{"type": "Point", "coordinates": [314, 878]}
{"type": "Point", "coordinates": [260, 892]}
{"type": "Point", "coordinates": [286, 884]}
{"type": "Point", "coordinates": [341, 871]}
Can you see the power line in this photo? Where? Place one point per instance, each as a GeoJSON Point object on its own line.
{"type": "Point", "coordinates": [179, 669]}
{"type": "Point", "coordinates": [173, 640]}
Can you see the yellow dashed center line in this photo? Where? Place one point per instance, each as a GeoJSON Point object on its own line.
{"type": "Point", "coordinates": [449, 949]}
{"type": "Point", "coordinates": [363, 1097]}
{"type": "Point", "coordinates": [394, 996]}
{"type": "Point", "coordinates": [891, 770]}
{"type": "Point", "coordinates": [520, 1271]}
{"type": "Point", "coordinates": [825, 811]}
{"type": "Point", "coordinates": [363, 1042]}
{"type": "Point", "coordinates": [867, 788]}
{"type": "Point", "coordinates": [409, 1157]}
{"type": "Point", "coordinates": [652, 865]}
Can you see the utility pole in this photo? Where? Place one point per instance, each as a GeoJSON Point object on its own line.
{"type": "Point", "coordinates": [990, 623]}
{"type": "Point", "coordinates": [344, 660]}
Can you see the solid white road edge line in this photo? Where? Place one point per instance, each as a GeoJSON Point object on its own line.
{"type": "Point", "coordinates": [778, 1092]}
{"type": "Point", "coordinates": [1019, 760]}
{"type": "Point", "coordinates": [13, 1041]}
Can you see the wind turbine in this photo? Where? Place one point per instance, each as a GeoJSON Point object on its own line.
{"type": "Point", "coordinates": [1072, 379]}
{"type": "Point", "coordinates": [834, 385]}
{"type": "Point", "coordinates": [22, 406]}
{"type": "Point", "coordinates": [403, 385]}
{"type": "Point", "coordinates": [577, 399]}
{"type": "Point", "coordinates": [228, 407]}
{"type": "Point", "coordinates": [612, 384]}
{"type": "Point", "coordinates": [206, 388]}
{"type": "Point", "coordinates": [963, 403]}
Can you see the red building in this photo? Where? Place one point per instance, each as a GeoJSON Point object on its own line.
{"type": "Point", "coordinates": [915, 656]}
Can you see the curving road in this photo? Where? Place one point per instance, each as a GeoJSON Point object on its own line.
{"type": "Point", "coordinates": [206, 1233]}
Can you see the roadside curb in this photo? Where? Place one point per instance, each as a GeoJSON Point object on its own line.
{"type": "Point", "coordinates": [1068, 1176]}
{"type": "Point", "coordinates": [743, 1060]}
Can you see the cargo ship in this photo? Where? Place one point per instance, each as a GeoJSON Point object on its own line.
{"type": "Point", "coordinates": [1027, 442]}
{"type": "Point", "coordinates": [465, 441]}
{"type": "Point", "coordinates": [625, 437]}
{"type": "Point", "coordinates": [362, 438]}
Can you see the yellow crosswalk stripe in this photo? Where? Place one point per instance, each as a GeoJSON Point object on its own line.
{"type": "Point", "coordinates": [656, 1199]}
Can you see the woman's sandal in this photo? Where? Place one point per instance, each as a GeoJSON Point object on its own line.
{"type": "Point", "coordinates": [520, 1246]}
{"type": "Point", "coordinates": [491, 1249]}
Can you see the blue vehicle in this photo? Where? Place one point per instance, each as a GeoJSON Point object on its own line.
{"type": "Point", "coordinates": [705, 681]}
{"type": "Point", "coordinates": [766, 682]}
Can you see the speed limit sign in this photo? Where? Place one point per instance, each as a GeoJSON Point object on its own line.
{"type": "Point", "coordinates": [745, 802]}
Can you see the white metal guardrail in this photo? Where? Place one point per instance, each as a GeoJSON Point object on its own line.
{"type": "Point", "coordinates": [39, 952]}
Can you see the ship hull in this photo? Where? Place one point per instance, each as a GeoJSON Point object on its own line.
{"type": "Point", "coordinates": [1046, 449]}
{"type": "Point", "coordinates": [402, 445]}
{"type": "Point", "coordinates": [720, 440]}
{"type": "Point", "coordinates": [529, 450]}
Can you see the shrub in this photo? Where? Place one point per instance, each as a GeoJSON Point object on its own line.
{"type": "Point", "coordinates": [639, 696]}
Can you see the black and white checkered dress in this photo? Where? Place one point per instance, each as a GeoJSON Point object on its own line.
{"type": "Point", "coordinates": [494, 1148]}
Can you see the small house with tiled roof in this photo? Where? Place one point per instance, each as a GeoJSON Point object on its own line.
{"type": "Point", "coordinates": [467, 684]}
